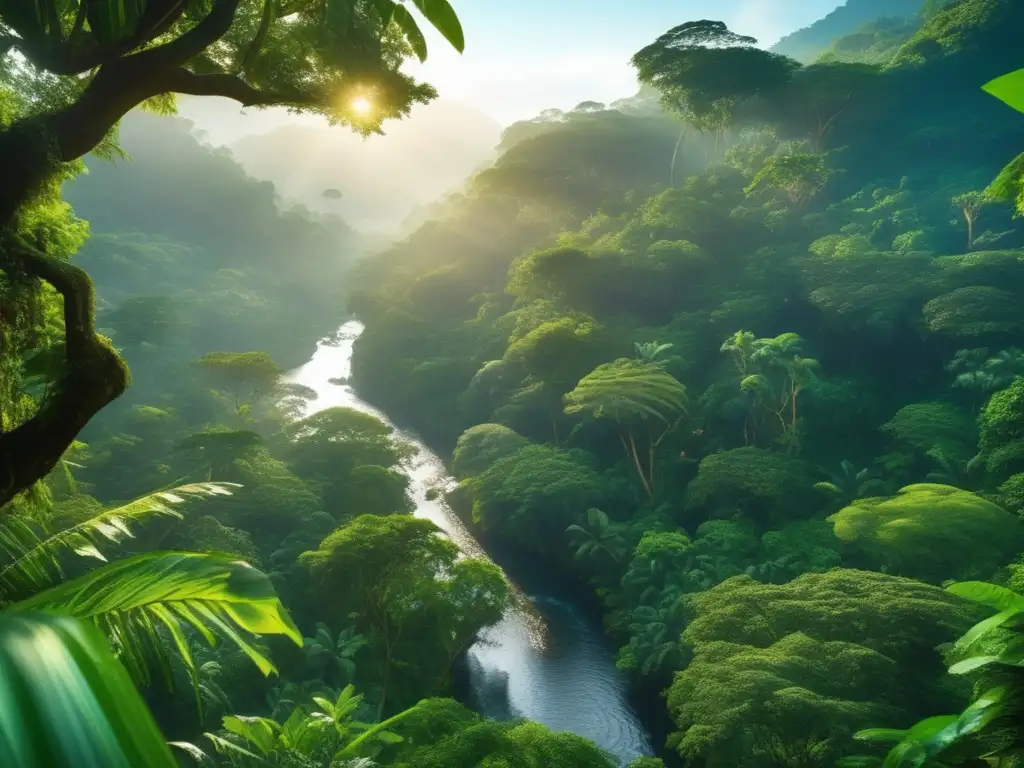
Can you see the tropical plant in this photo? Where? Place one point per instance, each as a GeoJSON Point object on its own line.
{"type": "Point", "coordinates": [329, 656]}
{"type": "Point", "coordinates": [636, 395]}
{"type": "Point", "coordinates": [324, 734]}
{"type": "Point", "coordinates": [970, 204]}
{"type": "Point", "coordinates": [977, 371]}
{"type": "Point", "coordinates": [967, 475]}
{"type": "Point", "coordinates": [651, 351]}
{"type": "Point", "coordinates": [849, 483]}
{"type": "Point", "coordinates": [990, 731]}
{"type": "Point", "coordinates": [598, 540]}
{"type": "Point", "coordinates": [654, 638]}
{"type": "Point", "coordinates": [658, 569]}
{"type": "Point", "coordinates": [143, 601]}
{"type": "Point", "coordinates": [773, 374]}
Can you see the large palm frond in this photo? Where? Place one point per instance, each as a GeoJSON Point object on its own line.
{"type": "Point", "coordinates": [32, 556]}
{"type": "Point", "coordinates": [65, 701]}
{"type": "Point", "coordinates": [133, 599]}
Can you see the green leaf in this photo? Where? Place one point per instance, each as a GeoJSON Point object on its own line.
{"type": "Point", "coordinates": [1008, 88]}
{"type": "Point", "coordinates": [982, 628]}
{"type": "Point", "coordinates": [386, 9]}
{"type": "Point", "coordinates": [225, 747]}
{"type": "Point", "coordinates": [214, 593]}
{"type": "Point", "coordinates": [999, 598]}
{"type": "Point", "coordinates": [971, 664]}
{"type": "Point", "coordinates": [829, 487]}
{"type": "Point", "coordinates": [65, 701]}
{"type": "Point", "coordinates": [445, 20]}
{"type": "Point", "coordinates": [194, 752]}
{"type": "Point", "coordinates": [34, 560]}
{"type": "Point", "coordinates": [937, 737]}
{"type": "Point", "coordinates": [260, 732]}
{"type": "Point", "coordinates": [401, 16]}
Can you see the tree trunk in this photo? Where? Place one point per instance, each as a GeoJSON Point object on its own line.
{"type": "Point", "coordinates": [639, 467]}
{"type": "Point", "coordinates": [675, 154]}
{"type": "Point", "coordinates": [93, 375]}
{"type": "Point", "coordinates": [31, 151]}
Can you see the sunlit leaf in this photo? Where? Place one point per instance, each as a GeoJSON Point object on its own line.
{"type": "Point", "coordinates": [408, 24]}
{"type": "Point", "coordinates": [1008, 88]}
{"type": "Point", "coordinates": [33, 558]}
{"type": "Point", "coordinates": [213, 593]}
{"type": "Point", "coordinates": [445, 20]}
{"type": "Point", "coordinates": [999, 598]}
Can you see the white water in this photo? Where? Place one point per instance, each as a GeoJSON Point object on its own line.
{"type": "Point", "coordinates": [545, 660]}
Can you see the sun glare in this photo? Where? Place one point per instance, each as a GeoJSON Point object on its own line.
{"type": "Point", "coordinates": [361, 105]}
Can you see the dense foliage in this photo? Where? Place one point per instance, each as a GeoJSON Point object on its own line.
{"type": "Point", "coordinates": [764, 368]}
{"type": "Point", "coordinates": [739, 355]}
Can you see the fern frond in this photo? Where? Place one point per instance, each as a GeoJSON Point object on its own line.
{"type": "Point", "coordinates": [33, 557]}
{"type": "Point", "coordinates": [138, 599]}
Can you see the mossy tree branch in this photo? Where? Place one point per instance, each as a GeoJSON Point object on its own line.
{"type": "Point", "coordinates": [93, 374]}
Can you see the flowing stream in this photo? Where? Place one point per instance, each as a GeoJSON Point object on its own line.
{"type": "Point", "coordinates": [546, 660]}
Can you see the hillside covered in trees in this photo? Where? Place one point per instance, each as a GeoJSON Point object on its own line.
{"type": "Point", "coordinates": [736, 362]}
{"type": "Point", "coordinates": [787, 378]}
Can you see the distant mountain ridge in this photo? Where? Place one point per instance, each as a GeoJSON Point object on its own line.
{"type": "Point", "coordinates": [805, 45]}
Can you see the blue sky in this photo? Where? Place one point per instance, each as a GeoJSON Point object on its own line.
{"type": "Point", "coordinates": [526, 55]}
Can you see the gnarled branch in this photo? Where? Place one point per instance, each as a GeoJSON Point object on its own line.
{"type": "Point", "coordinates": [230, 87]}
{"type": "Point", "coordinates": [93, 376]}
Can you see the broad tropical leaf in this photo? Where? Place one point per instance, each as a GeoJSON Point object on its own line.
{"type": "Point", "coordinates": [1008, 88]}
{"type": "Point", "coordinates": [443, 17]}
{"type": "Point", "coordinates": [33, 560]}
{"type": "Point", "coordinates": [215, 594]}
{"type": "Point", "coordinates": [938, 737]}
{"type": "Point", "coordinates": [412, 32]}
{"type": "Point", "coordinates": [65, 701]}
{"type": "Point", "coordinates": [999, 598]}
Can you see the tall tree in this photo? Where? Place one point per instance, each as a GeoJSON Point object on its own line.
{"type": "Point", "coordinates": [970, 204]}
{"type": "Point", "coordinates": [419, 603]}
{"type": "Point", "coordinates": [246, 377]}
{"type": "Point", "coordinates": [773, 375]}
{"type": "Point", "coordinates": [645, 400]}
{"type": "Point", "coordinates": [704, 71]}
{"type": "Point", "coordinates": [91, 61]}
{"type": "Point", "coordinates": [818, 97]}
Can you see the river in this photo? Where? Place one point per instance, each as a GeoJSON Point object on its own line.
{"type": "Point", "coordinates": [547, 660]}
